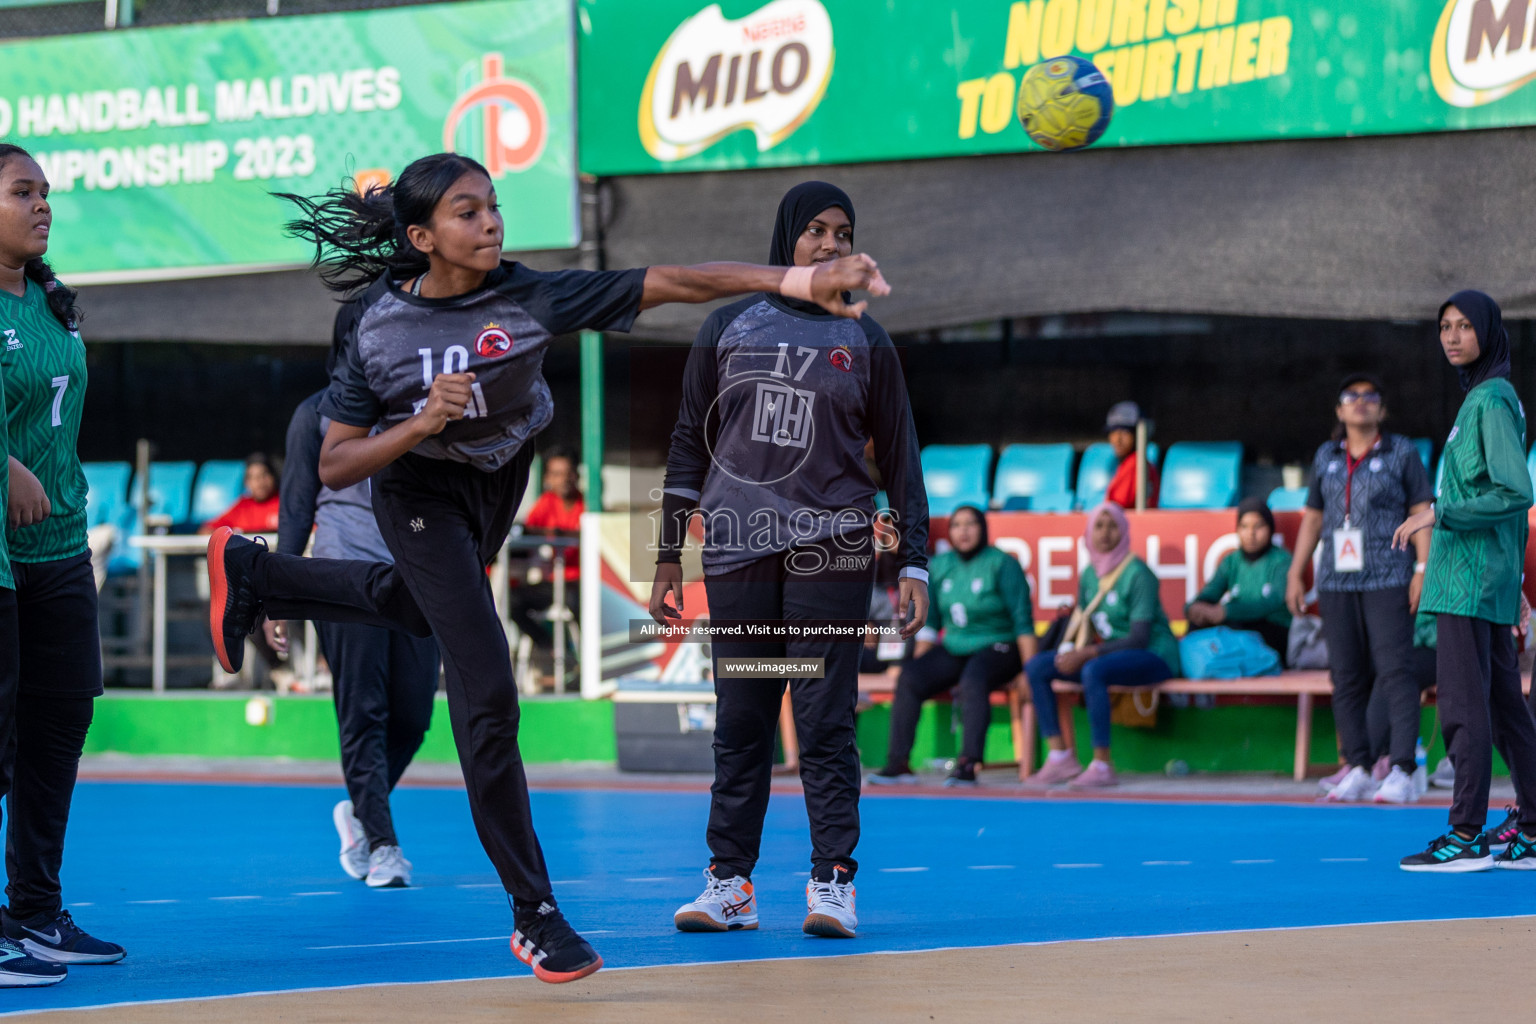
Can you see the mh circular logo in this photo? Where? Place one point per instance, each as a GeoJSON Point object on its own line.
{"type": "Point", "coordinates": [511, 126]}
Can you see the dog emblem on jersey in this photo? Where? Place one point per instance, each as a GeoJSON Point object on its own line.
{"type": "Point", "coordinates": [493, 341]}
{"type": "Point", "coordinates": [841, 358]}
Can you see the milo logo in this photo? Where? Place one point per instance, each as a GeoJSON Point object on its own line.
{"type": "Point", "coordinates": [766, 71]}
{"type": "Point", "coordinates": [1483, 50]}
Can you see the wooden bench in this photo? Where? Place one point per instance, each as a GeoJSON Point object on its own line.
{"type": "Point", "coordinates": [1022, 721]}
{"type": "Point", "coordinates": [1304, 686]}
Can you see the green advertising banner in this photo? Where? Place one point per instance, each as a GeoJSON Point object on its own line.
{"type": "Point", "coordinates": [162, 145]}
{"type": "Point", "coordinates": [685, 85]}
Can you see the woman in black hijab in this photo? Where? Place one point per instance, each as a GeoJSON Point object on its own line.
{"type": "Point", "coordinates": [779, 397]}
{"type": "Point", "coordinates": [1247, 590]}
{"type": "Point", "coordinates": [1472, 585]}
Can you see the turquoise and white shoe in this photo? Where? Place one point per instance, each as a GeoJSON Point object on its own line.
{"type": "Point", "coordinates": [1452, 854]}
{"type": "Point", "coordinates": [1519, 855]}
{"type": "Point", "coordinates": [18, 970]}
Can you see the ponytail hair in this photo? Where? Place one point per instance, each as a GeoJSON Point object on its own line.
{"type": "Point", "coordinates": [61, 299]}
{"type": "Point", "coordinates": [359, 237]}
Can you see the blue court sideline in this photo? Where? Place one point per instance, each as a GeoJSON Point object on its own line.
{"type": "Point", "coordinates": [221, 889]}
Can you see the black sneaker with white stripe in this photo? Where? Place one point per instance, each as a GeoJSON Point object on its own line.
{"type": "Point", "coordinates": [18, 970]}
{"type": "Point", "coordinates": [546, 942]}
{"type": "Point", "coordinates": [57, 939]}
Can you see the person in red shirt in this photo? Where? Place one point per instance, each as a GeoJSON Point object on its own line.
{"type": "Point", "coordinates": [256, 510]}
{"type": "Point", "coordinates": [1121, 427]}
{"type": "Point", "coordinates": [558, 510]}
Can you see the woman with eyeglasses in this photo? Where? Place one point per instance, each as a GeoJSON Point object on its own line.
{"type": "Point", "coordinates": [1364, 483]}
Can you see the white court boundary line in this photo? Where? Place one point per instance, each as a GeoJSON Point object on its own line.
{"type": "Point", "coordinates": [528, 977]}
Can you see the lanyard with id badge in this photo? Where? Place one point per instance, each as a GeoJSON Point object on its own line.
{"type": "Point", "coordinates": [1349, 541]}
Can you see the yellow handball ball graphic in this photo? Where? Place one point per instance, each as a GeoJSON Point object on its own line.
{"type": "Point", "coordinates": [1065, 103]}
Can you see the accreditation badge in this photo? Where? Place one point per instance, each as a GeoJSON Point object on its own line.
{"type": "Point", "coordinates": [1348, 549]}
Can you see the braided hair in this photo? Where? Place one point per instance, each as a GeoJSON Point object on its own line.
{"type": "Point", "coordinates": [359, 237]}
{"type": "Point", "coordinates": [60, 298]}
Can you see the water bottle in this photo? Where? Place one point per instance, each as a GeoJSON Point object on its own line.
{"type": "Point", "coordinates": [1421, 768]}
{"type": "Point", "coordinates": [1176, 769]}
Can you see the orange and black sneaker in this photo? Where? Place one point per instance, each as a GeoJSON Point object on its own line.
{"type": "Point", "coordinates": [725, 905]}
{"type": "Point", "coordinates": [545, 941]}
{"type": "Point", "coordinates": [829, 898]}
{"type": "Point", "coordinates": [234, 608]}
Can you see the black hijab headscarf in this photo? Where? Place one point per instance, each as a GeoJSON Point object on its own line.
{"type": "Point", "coordinates": [981, 520]}
{"type": "Point", "coordinates": [797, 209]}
{"type": "Point", "coordinates": [1492, 339]}
{"type": "Point", "coordinates": [1262, 508]}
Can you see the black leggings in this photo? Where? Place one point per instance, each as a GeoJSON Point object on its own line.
{"type": "Point", "coordinates": [1480, 708]}
{"type": "Point", "coordinates": [976, 674]}
{"type": "Point", "coordinates": [50, 674]}
{"type": "Point", "coordinates": [384, 684]}
{"type": "Point", "coordinates": [444, 522]}
{"type": "Point", "coordinates": [1370, 645]}
{"type": "Point", "coordinates": [747, 710]}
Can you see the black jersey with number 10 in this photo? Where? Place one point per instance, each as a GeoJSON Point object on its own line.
{"type": "Point", "coordinates": [400, 342]}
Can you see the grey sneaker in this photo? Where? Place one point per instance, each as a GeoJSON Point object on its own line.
{"type": "Point", "coordinates": [388, 868]}
{"type": "Point", "coordinates": [354, 844]}
{"type": "Point", "coordinates": [1444, 776]}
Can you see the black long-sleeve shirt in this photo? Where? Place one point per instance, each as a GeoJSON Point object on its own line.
{"type": "Point", "coordinates": [769, 443]}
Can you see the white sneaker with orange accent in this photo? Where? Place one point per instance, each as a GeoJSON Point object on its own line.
{"type": "Point", "coordinates": [830, 903]}
{"type": "Point", "coordinates": [725, 905]}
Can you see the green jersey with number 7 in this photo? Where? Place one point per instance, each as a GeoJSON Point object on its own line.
{"type": "Point", "coordinates": [42, 365]}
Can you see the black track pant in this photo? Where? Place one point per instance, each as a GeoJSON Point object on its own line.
{"type": "Point", "coordinates": [384, 683]}
{"type": "Point", "coordinates": [443, 522]}
{"type": "Point", "coordinates": [794, 588]}
{"type": "Point", "coordinates": [976, 675]}
{"type": "Point", "coordinates": [1370, 643]}
{"type": "Point", "coordinates": [1481, 706]}
{"type": "Point", "coordinates": [50, 674]}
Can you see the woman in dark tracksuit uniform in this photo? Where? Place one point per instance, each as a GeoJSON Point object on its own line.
{"type": "Point", "coordinates": [1476, 555]}
{"type": "Point", "coordinates": [436, 395]}
{"type": "Point", "coordinates": [46, 714]}
{"type": "Point", "coordinates": [779, 397]}
{"type": "Point", "coordinates": [384, 680]}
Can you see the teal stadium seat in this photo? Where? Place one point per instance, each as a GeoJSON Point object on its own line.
{"type": "Point", "coordinates": [106, 492]}
{"type": "Point", "coordinates": [1426, 449]}
{"type": "Point", "coordinates": [1097, 469]}
{"type": "Point", "coordinates": [955, 475]}
{"type": "Point", "coordinates": [1034, 476]}
{"type": "Point", "coordinates": [220, 482]}
{"type": "Point", "coordinates": [1287, 499]}
{"type": "Point", "coordinates": [1440, 471]}
{"type": "Point", "coordinates": [1530, 467]}
{"type": "Point", "coordinates": [170, 495]}
{"type": "Point", "coordinates": [1202, 474]}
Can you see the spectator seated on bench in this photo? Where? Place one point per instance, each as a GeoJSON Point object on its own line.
{"type": "Point", "coordinates": [980, 600]}
{"type": "Point", "coordinates": [1117, 602]}
{"type": "Point", "coordinates": [1247, 590]}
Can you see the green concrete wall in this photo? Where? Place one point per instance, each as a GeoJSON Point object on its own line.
{"type": "Point", "coordinates": [1239, 737]}
{"type": "Point", "coordinates": [304, 728]}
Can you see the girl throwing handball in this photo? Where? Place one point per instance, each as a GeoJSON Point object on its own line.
{"type": "Point", "coordinates": [437, 395]}
{"type": "Point", "coordinates": [49, 632]}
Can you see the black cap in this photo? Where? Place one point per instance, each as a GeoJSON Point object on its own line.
{"type": "Point", "coordinates": [1363, 378]}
